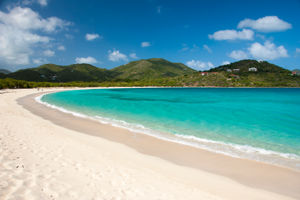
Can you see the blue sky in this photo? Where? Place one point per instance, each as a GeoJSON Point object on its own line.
{"type": "Point", "coordinates": [108, 33]}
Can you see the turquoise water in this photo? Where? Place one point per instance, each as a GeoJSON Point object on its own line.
{"type": "Point", "coordinates": [255, 123]}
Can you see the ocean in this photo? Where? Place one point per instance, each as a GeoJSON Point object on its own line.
{"type": "Point", "coordinates": [261, 124]}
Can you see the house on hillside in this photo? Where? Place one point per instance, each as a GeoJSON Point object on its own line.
{"type": "Point", "coordinates": [252, 69]}
{"type": "Point", "coordinates": [204, 73]}
{"type": "Point", "coordinates": [236, 70]}
{"type": "Point", "coordinates": [296, 72]}
{"type": "Point", "coordinates": [229, 70]}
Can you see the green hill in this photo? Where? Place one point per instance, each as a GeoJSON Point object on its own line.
{"type": "Point", "coordinates": [137, 70]}
{"type": "Point", "coordinates": [58, 73]}
{"type": "Point", "coordinates": [150, 69]}
{"type": "Point", "coordinates": [154, 72]}
{"type": "Point", "coordinates": [237, 74]}
{"type": "Point", "coordinates": [244, 65]}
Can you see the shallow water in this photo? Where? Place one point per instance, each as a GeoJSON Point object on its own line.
{"type": "Point", "coordinates": [254, 123]}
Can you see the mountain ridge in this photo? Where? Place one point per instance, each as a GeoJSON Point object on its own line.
{"type": "Point", "coordinates": [160, 72]}
{"type": "Point", "coordinates": [135, 70]}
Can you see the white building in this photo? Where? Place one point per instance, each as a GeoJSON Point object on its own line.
{"type": "Point", "coordinates": [252, 69]}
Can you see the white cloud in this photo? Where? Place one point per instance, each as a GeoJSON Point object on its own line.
{"type": "Point", "coordinates": [21, 31]}
{"type": "Point", "coordinates": [238, 55]}
{"type": "Point", "coordinates": [145, 44]}
{"type": "Point", "coordinates": [116, 56]}
{"type": "Point", "coordinates": [297, 50]}
{"type": "Point", "coordinates": [265, 24]}
{"type": "Point", "coordinates": [61, 48]}
{"type": "Point", "coordinates": [267, 51]}
{"type": "Point", "coordinates": [133, 55]}
{"type": "Point", "coordinates": [27, 19]}
{"type": "Point", "coordinates": [49, 53]}
{"type": "Point", "coordinates": [42, 2]}
{"type": "Point", "coordinates": [88, 60]}
{"type": "Point", "coordinates": [225, 63]}
{"type": "Point", "coordinates": [245, 34]}
{"type": "Point", "coordinates": [16, 45]}
{"type": "Point", "coordinates": [39, 61]}
{"type": "Point", "coordinates": [185, 47]}
{"type": "Point", "coordinates": [29, 2]}
{"type": "Point", "coordinates": [199, 65]}
{"type": "Point", "coordinates": [91, 36]}
{"type": "Point", "coordinates": [69, 36]}
{"type": "Point", "coordinates": [207, 48]}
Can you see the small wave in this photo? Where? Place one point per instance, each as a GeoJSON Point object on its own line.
{"type": "Point", "coordinates": [229, 149]}
{"type": "Point", "coordinates": [39, 100]}
{"type": "Point", "coordinates": [240, 148]}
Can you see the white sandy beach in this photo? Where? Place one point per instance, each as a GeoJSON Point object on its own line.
{"type": "Point", "coordinates": [42, 160]}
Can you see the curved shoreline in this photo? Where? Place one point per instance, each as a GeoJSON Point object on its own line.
{"type": "Point", "coordinates": [286, 160]}
{"type": "Point", "coordinates": [250, 173]}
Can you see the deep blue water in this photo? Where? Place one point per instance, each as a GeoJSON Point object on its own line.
{"type": "Point", "coordinates": [258, 123]}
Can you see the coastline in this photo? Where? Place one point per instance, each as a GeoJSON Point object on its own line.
{"type": "Point", "coordinates": [179, 154]}
{"type": "Point", "coordinates": [84, 156]}
{"type": "Point", "coordinates": [286, 160]}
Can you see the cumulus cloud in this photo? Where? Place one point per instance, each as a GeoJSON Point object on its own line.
{"type": "Point", "coordinates": [61, 48]}
{"type": "Point", "coordinates": [199, 65]}
{"type": "Point", "coordinates": [116, 56]}
{"type": "Point", "coordinates": [265, 24]}
{"type": "Point", "coordinates": [207, 48]}
{"type": "Point", "coordinates": [16, 45]}
{"type": "Point", "coordinates": [39, 61]}
{"type": "Point", "coordinates": [21, 29]}
{"type": "Point", "coordinates": [29, 2]}
{"type": "Point", "coordinates": [91, 36]}
{"type": "Point", "coordinates": [238, 55]}
{"type": "Point", "coordinates": [49, 53]}
{"type": "Point", "coordinates": [225, 63]}
{"type": "Point", "coordinates": [88, 60]}
{"type": "Point", "coordinates": [27, 19]}
{"type": "Point", "coordinates": [42, 2]}
{"type": "Point", "coordinates": [133, 55]}
{"type": "Point", "coordinates": [245, 34]}
{"type": "Point", "coordinates": [145, 44]}
{"type": "Point", "coordinates": [267, 51]}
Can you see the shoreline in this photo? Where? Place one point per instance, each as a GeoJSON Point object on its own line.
{"type": "Point", "coordinates": [283, 159]}
{"type": "Point", "coordinates": [246, 172]}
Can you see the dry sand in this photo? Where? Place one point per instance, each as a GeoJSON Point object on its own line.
{"type": "Point", "coordinates": [46, 154]}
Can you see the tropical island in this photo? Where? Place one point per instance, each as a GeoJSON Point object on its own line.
{"type": "Point", "coordinates": [152, 72]}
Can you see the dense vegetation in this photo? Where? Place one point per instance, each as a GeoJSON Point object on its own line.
{"type": "Point", "coordinates": [136, 70]}
{"type": "Point", "coordinates": [244, 65]}
{"type": "Point", "coordinates": [151, 72]}
{"type": "Point", "coordinates": [58, 73]}
{"type": "Point", "coordinates": [150, 69]}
